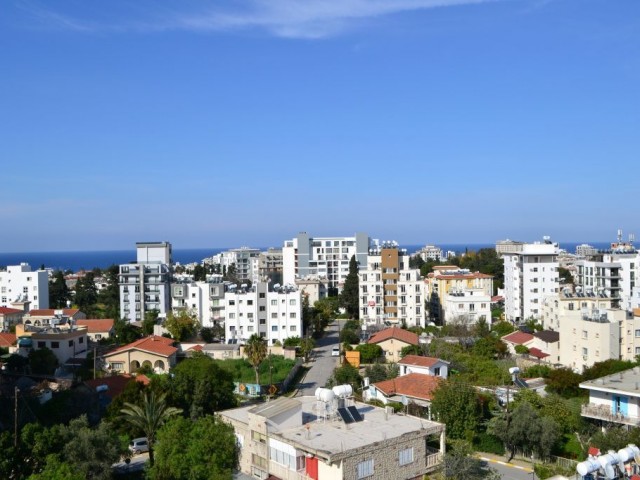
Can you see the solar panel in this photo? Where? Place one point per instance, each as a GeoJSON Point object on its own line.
{"type": "Point", "coordinates": [520, 383]}
{"type": "Point", "coordinates": [355, 413]}
{"type": "Point", "coordinates": [345, 415]}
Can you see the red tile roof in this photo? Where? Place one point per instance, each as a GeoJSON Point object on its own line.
{"type": "Point", "coordinates": [497, 298]}
{"type": "Point", "coordinates": [7, 339]}
{"type": "Point", "coordinates": [9, 311]}
{"type": "Point", "coordinates": [96, 325]}
{"type": "Point", "coordinates": [395, 333]}
{"type": "Point", "coordinates": [153, 344]}
{"type": "Point", "coordinates": [197, 348]}
{"type": "Point", "coordinates": [536, 352]}
{"type": "Point", "coordinates": [419, 361]}
{"type": "Point", "coordinates": [50, 312]}
{"type": "Point", "coordinates": [414, 385]}
{"type": "Point", "coordinates": [518, 338]}
{"type": "Point", "coordinates": [115, 384]}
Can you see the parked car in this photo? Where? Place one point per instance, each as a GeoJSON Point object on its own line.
{"type": "Point", "coordinates": [335, 352]}
{"type": "Point", "coordinates": [139, 445]}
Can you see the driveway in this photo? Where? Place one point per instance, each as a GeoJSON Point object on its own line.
{"type": "Point", "coordinates": [322, 363]}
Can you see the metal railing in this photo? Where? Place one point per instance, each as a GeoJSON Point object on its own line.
{"type": "Point", "coordinates": [603, 412]}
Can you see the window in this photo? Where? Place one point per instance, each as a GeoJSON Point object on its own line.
{"type": "Point", "coordinates": [81, 340]}
{"type": "Point", "coordinates": [262, 308]}
{"type": "Point", "coordinates": [261, 295]}
{"type": "Point", "coordinates": [293, 328]}
{"type": "Point", "coordinates": [232, 302]}
{"type": "Point", "coordinates": [249, 302]}
{"type": "Point", "coordinates": [585, 334]}
{"type": "Point", "coordinates": [364, 469]}
{"type": "Point", "coordinates": [274, 302]}
{"type": "Point", "coordinates": [117, 366]}
{"type": "Point", "coordinates": [292, 301]}
{"type": "Point", "coordinates": [274, 328]}
{"type": "Point", "coordinates": [274, 315]}
{"type": "Point", "coordinates": [42, 344]}
{"type": "Point", "coordinates": [292, 315]}
{"type": "Point", "coordinates": [637, 333]}
{"type": "Point", "coordinates": [405, 456]}
{"type": "Point", "coordinates": [436, 371]}
{"type": "Point", "coordinates": [55, 344]}
{"type": "Point", "coordinates": [263, 321]}
{"type": "Point", "coordinates": [232, 315]}
{"type": "Point", "coordinates": [71, 343]}
{"type": "Point", "coordinates": [258, 437]}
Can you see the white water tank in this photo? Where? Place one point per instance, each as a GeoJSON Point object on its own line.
{"type": "Point", "coordinates": [588, 466]}
{"type": "Point", "coordinates": [628, 453]}
{"type": "Point", "coordinates": [342, 391]}
{"type": "Point", "coordinates": [324, 394]}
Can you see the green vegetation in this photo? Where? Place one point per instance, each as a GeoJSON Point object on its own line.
{"type": "Point", "coordinates": [273, 367]}
{"type": "Point", "coordinates": [256, 352]}
{"type": "Point", "coordinates": [182, 325]}
{"type": "Point", "coordinates": [349, 296]}
{"type": "Point", "coordinates": [370, 353]}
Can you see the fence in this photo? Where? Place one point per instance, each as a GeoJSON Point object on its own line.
{"type": "Point", "coordinates": [567, 463]}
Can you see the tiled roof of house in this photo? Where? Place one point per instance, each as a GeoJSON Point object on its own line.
{"type": "Point", "coordinates": [154, 344]}
{"type": "Point", "coordinates": [518, 338]}
{"type": "Point", "coordinates": [9, 311]}
{"type": "Point", "coordinates": [548, 336]}
{"type": "Point", "coordinates": [50, 312]}
{"type": "Point", "coordinates": [395, 333]}
{"type": "Point", "coordinates": [414, 385]}
{"type": "Point", "coordinates": [197, 348]}
{"type": "Point", "coordinates": [115, 384]}
{"type": "Point", "coordinates": [419, 361]}
{"type": "Point", "coordinates": [536, 352]}
{"type": "Point", "coordinates": [97, 325]}
{"type": "Point", "coordinates": [497, 298]}
{"type": "Point", "coordinates": [7, 339]}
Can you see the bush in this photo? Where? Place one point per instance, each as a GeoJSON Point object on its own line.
{"type": "Point", "coordinates": [521, 349]}
{"type": "Point", "coordinates": [485, 442]}
{"type": "Point", "coordinates": [537, 371]}
{"type": "Point", "coordinates": [369, 352]}
{"type": "Point", "coordinates": [350, 336]}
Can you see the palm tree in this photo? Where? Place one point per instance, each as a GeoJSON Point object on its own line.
{"type": "Point", "coordinates": [256, 352]}
{"type": "Point", "coordinates": [149, 416]}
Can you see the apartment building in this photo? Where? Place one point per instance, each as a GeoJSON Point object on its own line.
{"type": "Point", "coordinates": [430, 253]}
{"type": "Point", "coordinates": [390, 292]}
{"type": "Point", "coordinates": [456, 294]}
{"type": "Point", "coordinates": [530, 275]}
{"type": "Point", "coordinates": [20, 284]}
{"type": "Point", "coordinates": [275, 315]}
{"type": "Point", "coordinates": [329, 437]}
{"type": "Point", "coordinates": [314, 288]}
{"type": "Point", "coordinates": [245, 260]}
{"type": "Point", "coordinates": [205, 299]}
{"type": "Point", "coordinates": [270, 265]}
{"type": "Point", "coordinates": [145, 285]}
{"type": "Point", "coordinates": [326, 257]}
{"type": "Point", "coordinates": [614, 399]}
{"type": "Point", "coordinates": [612, 272]}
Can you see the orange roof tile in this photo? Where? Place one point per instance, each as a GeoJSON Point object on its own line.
{"type": "Point", "coordinates": [197, 348]}
{"type": "Point", "coordinates": [7, 339]}
{"type": "Point", "coordinates": [518, 338]}
{"type": "Point", "coordinates": [50, 312]}
{"type": "Point", "coordinates": [96, 325]}
{"type": "Point", "coordinates": [9, 311]}
{"type": "Point", "coordinates": [116, 384]}
{"type": "Point", "coordinates": [395, 333]}
{"type": "Point", "coordinates": [153, 344]}
{"type": "Point", "coordinates": [414, 385]}
{"type": "Point", "coordinates": [419, 361]}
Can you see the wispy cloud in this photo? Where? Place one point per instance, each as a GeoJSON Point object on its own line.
{"type": "Point", "coordinates": [307, 19]}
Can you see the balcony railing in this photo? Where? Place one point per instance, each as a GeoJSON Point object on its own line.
{"type": "Point", "coordinates": [603, 412]}
{"type": "Point", "coordinates": [433, 459]}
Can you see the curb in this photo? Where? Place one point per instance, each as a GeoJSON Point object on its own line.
{"type": "Point", "coordinates": [506, 464]}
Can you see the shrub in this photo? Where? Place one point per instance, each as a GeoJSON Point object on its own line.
{"type": "Point", "coordinates": [521, 349]}
{"type": "Point", "coordinates": [485, 442]}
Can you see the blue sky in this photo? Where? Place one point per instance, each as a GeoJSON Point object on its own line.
{"type": "Point", "coordinates": [215, 123]}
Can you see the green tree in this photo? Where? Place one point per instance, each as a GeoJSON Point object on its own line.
{"type": "Point", "coordinates": [199, 273]}
{"type": "Point", "coordinates": [565, 382]}
{"type": "Point", "coordinates": [565, 276]}
{"type": "Point", "coordinates": [132, 393]}
{"type": "Point", "coordinates": [206, 334]}
{"type": "Point", "coordinates": [461, 464]}
{"type": "Point", "coordinates": [606, 367]}
{"type": "Point", "coordinates": [256, 351]}
{"type": "Point", "coordinates": [204, 449]}
{"type": "Point", "coordinates": [59, 293]}
{"type": "Point", "coordinates": [349, 336]}
{"type": "Point", "coordinates": [349, 296]}
{"type": "Point", "coordinates": [86, 296]}
{"type": "Point", "coordinates": [182, 325]}
{"type": "Point", "coordinates": [149, 417]}
{"type": "Point", "coordinates": [125, 332]}
{"type": "Point", "coordinates": [411, 350]}
{"type": "Point", "coordinates": [56, 470]}
{"type": "Point", "coordinates": [369, 352]}
{"type": "Point", "coordinates": [307, 345]}
{"type": "Point", "coordinates": [150, 320]}
{"type": "Point", "coordinates": [43, 361]}
{"type": "Point", "coordinates": [379, 372]}
{"type": "Point", "coordinates": [200, 387]}
{"type": "Point", "coordinates": [347, 374]}
{"type": "Point", "coordinates": [503, 328]}
{"type": "Point", "coordinates": [457, 405]}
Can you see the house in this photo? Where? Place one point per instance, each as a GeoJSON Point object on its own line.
{"type": "Point", "coordinates": [66, 344]}
{"type": "Point", "coordinates": [414, 387]}
{"type": "Point", "coordinates": [311, 438]}
{"type": "Point", "coordinates": [153, 351]}
{"type": "Point", "coordinates": [392, 341]}
{"type": "Point", "coordinates": [44, 316]}
{"type": "Point", "coordinates": [8, 340]}
{"type": "Point", "coordinates": [112, 386]}
{"type": "Point", "coordinates": [614, 398]}
{"type": "Point", "coordinates": [97, 329]}
{"type": "Point", "coordinates": [221, 351]}
{"type": "Point", "coordinates": [546, 346]}
{"type": "Point", "coordinates": [9, 317]}
{"type": "Point", "coordinates": [517, 338]}
{"type": "Point", "coordinates": [424, 365]}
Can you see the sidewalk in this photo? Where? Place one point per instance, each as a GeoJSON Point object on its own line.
{"type": "Point", "coordinates": [502, 460]}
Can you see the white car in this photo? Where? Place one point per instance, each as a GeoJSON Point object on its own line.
{"type": "Point", "coordinates": [139, 445]}
{"type": "Point", "coordinates": [335, 352]}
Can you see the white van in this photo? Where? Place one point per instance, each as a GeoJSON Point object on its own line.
{"type": "Point", "coordinates": [139, 445]}
{"type": "Point", "coordinates": [335, 352]}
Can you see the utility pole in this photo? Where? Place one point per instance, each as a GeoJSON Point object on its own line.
{"type": "Point", "coordinates": [15, 418]}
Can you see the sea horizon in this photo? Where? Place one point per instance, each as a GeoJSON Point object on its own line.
{"type": "Point", "coordinates": [89, 259]}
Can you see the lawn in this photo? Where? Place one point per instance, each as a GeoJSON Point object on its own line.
{"type": "Point", "coordinates": [243, 372]}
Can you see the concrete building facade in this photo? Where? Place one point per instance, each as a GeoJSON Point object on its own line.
{"type": "Point", "coordinates": [204, 299]}
{"type": "Point", "coordinates": [20, 284]}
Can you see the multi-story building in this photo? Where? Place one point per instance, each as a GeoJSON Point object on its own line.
{"type": "Point", "coordinates": [145, 285]}
{"type": "Point", "coordinates": [327, 437]}
{"type": "Point", "coordinates": [314, 288]}
{"type": "Point", "coordinates": [430, 253]}
{"type": "Point", "coordinates": [245, 261]}
{"type": "Point", "coordinates": [205, 299]}
{"type": "Point", "coordinates": [20, 284]}
{"type": "Point", "coordinates": [274, 315]}
{"type": "Point", "coordinates": [530, 275]}
{"type": "Point", "coordinates": [614, 399]}
{"type": "Point", "coordinates": [326, 257]}
{"type": "Point", "coordinates": [455, 293]}
{"type": "Point", "coordinates": [390, 292]}
{"type": "Point", "coordinates": [612, 272]}
{"type": "Point", "coordinates": [270, 265]}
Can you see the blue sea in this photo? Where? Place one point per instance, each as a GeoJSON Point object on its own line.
{"type": "Point", "coordinates": [85, 260]}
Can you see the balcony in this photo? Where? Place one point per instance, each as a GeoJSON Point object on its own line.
{"type": "Point", "coordinates": [283, 472]}
{"type": "Point", "coordinates": [603, 412]}
{"type": "Point", "coordinates": [434, 459]}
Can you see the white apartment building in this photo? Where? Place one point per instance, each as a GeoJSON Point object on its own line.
{"type": "Point", "coordinates": [246, 261]}
{"type": "Point", "coordinates": [390, 292]}
{"type": "Point", "coordinates": [467, 307]}
{"type": "Point", "coordinates": [20, 284]}
{"type": "Point", "coordinates": [530, 275]}
{"type": "Point", "coordinates": [205, 299]}
{"type": "Point", "coordinates": [145, 285]}
{"type": "Point", "coordinates": [326, 257]}
{"type": "Point", "coordinates": [612, 272]}
{"type": "Point", "coordinates": [274, 315]}
{"type": "Point", "coordinates": [430, 252]}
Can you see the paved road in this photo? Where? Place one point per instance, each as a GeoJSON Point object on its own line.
{"type": "Point", "coordinates": [509, 471]}
{"type": "Point", "coordinates": [136, 465]}
{"type": "Point", "coordinates": [323, 363]}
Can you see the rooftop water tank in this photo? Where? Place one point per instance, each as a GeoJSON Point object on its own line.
{"type": "Point", "coordinates": [342, 391]}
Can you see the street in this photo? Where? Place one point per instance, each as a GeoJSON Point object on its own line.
{"type": "Point", "coordinates": [323, 363]}
{"type": "Point", "coordinates": [508, 471]}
